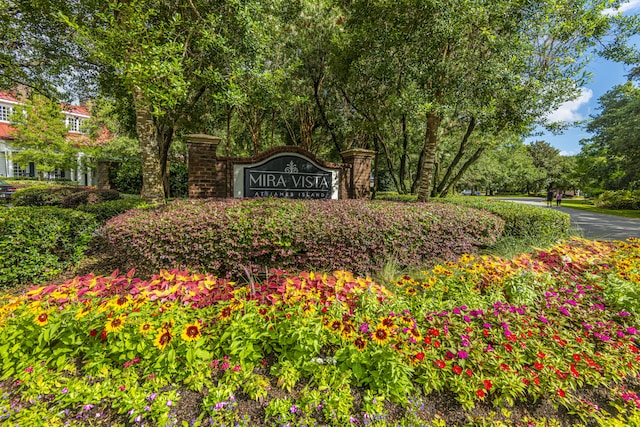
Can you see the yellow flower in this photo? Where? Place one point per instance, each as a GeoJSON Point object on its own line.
{"type": "Point", "coordinates": [82, 312]}
{"type": "Point", "coordinates": [163, 339]}
{"type": "Point", "coordinates": [387, 323]}
{"type": "Point", "coordinates": [335, 326]}
{"type": "Point", "coordinates": [360, 343]}
{"type": "Point", "coordinates": [145, 328]}
{"type": "Point", "coordinates": [411, 291]}
{"type": "Point", "coordinates": [191, 332]}
{"type": "Point", "coordinates": [348, 330]}
{"type": "Point", "coordinates": [115, 324]}
{"type": "Point", "coordinates": [439, 269]}
{"type": "Point", "coordinates": [225, 312]}
{"type": "Point", "coordinates": [380, 336]}
{"type": "Point", "coordinates": [235, 304]}
{"type": "Point", "coordinates": [41, 319]}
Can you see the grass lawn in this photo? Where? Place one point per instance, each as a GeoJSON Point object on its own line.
{"type": "Point", "coordinates": [588, 206]}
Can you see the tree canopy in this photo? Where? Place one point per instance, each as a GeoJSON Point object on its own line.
{"type": "Point", "coordinates": [611, 158]}
{"type": "Point", "coordinates": [430, 85]}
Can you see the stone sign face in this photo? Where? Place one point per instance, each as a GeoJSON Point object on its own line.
{"type": "Point", "coordinates": [287, 175]}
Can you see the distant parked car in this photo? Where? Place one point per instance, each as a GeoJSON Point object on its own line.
{"type": "Point", "coordinates": [470, 193]}
{"type": "Point", "coordinates": [6, 190]}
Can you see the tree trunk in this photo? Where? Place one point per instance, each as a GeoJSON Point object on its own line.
{"type": "Point", "coordinates": [416, 180]}
{"type": "Point", "coordinates": [474, 158]}
{"type": "Point", "coordinates": [403, 156]}
{"type": "Point", "coordinates": [165, 137]}
{"type": "Point", "coordinates": [387, 156]}
{"type": "Point", "coordinates": [323, 115]}
{"type": "Point", "coordinates": [428, 156]}
{"type": "Point", "coordinates": [152, 185]}
{"type": "Point", "coordinates": [461, 151]}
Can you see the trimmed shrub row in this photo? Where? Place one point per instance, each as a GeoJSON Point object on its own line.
{"type": "Point", "coordinates": [521, 220]}
{"type": "Point", "coordinates": [37, 244]}
{"type": "Point", "coordinates": [61, 196]}
{"type": "Point", "coordinates": [227, 236]}
{"type": "Point", "coordinates": [89, 197]}
{"type": "Point", "coordinates": [622, 199]}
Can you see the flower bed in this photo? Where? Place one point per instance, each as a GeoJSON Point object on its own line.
{"type": "Point", "coordinates": [231, 236]}
{"type": "Point", "coordinates": [554, 327]}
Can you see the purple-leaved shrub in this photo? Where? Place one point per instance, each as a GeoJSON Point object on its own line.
{"type": "Point", "coordinates": [227, 236]}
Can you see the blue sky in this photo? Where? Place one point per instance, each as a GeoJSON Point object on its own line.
{"type": "Point", "coordinates": [606, 74]}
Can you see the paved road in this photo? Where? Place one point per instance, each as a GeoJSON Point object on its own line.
{"type": "Point", "coordinates": [595, 226]}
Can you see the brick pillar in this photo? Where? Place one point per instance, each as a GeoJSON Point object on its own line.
{"type": "Point", "coordinates": [201, 161]}
{"type": "Point", "coordinates": [360, 161]}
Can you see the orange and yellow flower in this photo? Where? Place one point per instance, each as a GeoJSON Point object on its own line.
{"type": "Point", "coordinates": [163, 339]}
{"type": "Point", "coordinates": [145, 328]}
{"type": "Point", "coordinates": [360, 343]}
{"type": "Point", "coordinates": [41, 319]}
{"type": "Point", "coordinates": [225, 312]}
{"type": "Point", "coordinates": [115, 324]}
{"type": "Point", "coordinates": [380, 336]}
{"type": "Point", "coordinates": [191, 332]}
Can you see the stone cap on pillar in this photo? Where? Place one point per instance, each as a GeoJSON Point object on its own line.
{"type": "Point", "coordinates": [202, 138]}
{"type": "Point", "coordinates": [357, 152]}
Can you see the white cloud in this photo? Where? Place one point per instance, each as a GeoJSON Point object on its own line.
{"type": "Point", "coordinates": [624, 7]}
{"type": "Point", "coordinates": [568, 111]}
{"type": "Point", "coordinates": [569, 152]}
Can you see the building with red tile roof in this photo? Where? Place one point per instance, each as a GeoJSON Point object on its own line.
{"type": "Point", "coordinates": [74, 115]}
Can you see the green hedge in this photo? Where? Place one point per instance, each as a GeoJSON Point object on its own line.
{"type": "Point", "coordinates": [106, 210]}
{"type": "Point", "coordinates": [44, 195]}
{"type": "Point", "coordinates": [521, 220]}
{"type": "Point", "coordinates": [622, 199]}
{"type": "Point", "coordinates": [38, 243]}
{"type": "Point", "coordinates": [91, 196]}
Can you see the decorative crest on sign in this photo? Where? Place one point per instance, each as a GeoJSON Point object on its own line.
{"type": "Point", "coordinates": [291, 168]}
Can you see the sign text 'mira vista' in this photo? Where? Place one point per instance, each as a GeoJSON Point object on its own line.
{"type": "Point", "coordinates": [288, 176]}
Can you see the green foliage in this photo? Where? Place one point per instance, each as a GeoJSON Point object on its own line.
{"type": "Point", "coordinates": [621, 292]}
{"type": "Point", "coordinates": [622, 199]}
{"type": "Point", "coordinates": [38, 243]}
{"type": "Point", "coordinates": [41, 136]}
{"type": "Point", "coordinates": [44, 195]}
{"type": "Point", "coordinates": [179, 180]}
{"type": "Point", "coordinates": [90, 196]}
{"type": "Point", "coordinates": [127, 177]}
{"type": "Point", "coordinates": [611, 158]}
{"type": "Point", "coordinates": [504, 168]}
{"type": "Point", "coordinates": [104, 211]}
{"type": "Point", "coordinates": [522, 220]}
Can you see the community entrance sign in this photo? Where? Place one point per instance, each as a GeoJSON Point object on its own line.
{"type": "Point", "coordinates": [291, 172]}
{"type": "Point", "coordinates": [288, 175]}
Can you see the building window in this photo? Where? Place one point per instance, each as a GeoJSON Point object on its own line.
{"type": "Point", "coordinates": [56, 174]}
{"type": "Point", "coordinates": [74, 124]}
{"type": "Point", "coordinates": [5, 113]}
{"type": "Point", "coordinates": [18, 171]}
